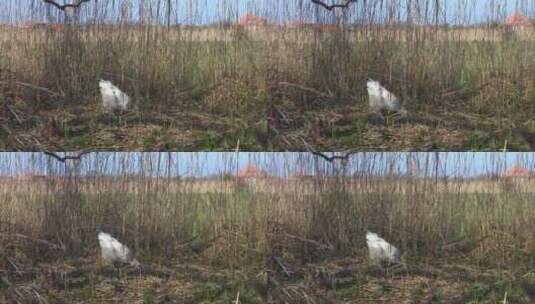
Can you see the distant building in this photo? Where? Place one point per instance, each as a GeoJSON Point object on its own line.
{"type": "Point", "coordinates": [251, 173]}
{"type": "Point", "coordinates": [251, 19]}
{"type": "Point", "coordinates": [518, 20]}
{"type": "Point", "coordinates": [518, 172]}
{"type": "Point", "coordinates": [56, 27]}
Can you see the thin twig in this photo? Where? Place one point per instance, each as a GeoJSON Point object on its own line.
{"type": "Point", "coordinates": [14, 114]}
{"type": "Point", "coordinates": [445, 94]}
{"type": "Point", "coordinates": [22, 236]}
{"type": "Point", "coordinates": [345, 156]}
{"type": "Point", "coordinates": [283, 267]}
{"type": "Point", "coordinates": [279, 286]}
{"type": "Point", "coordinates": [188, 241]}
{"type": "Point", "coordinates": [66, 157]}
{"type": "Point", "coordinates": [330, 7]}
{"type": "Point", "coordinates": [29, 85]}
{"type": "Point", "coordinates": [65, 6]}
{"type": "Point", "coordinates": [309, 241]}
{"type": "Point", "coordinates": [301, 87]}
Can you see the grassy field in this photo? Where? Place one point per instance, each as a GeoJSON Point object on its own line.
{"type": "Point", "coordinates": [273, 88]}
{"type": "Point", "coordinates": [194, 248]}
{"type": "Point", "coordinates": [276, 241]}
{"type": "Point", "coordinates": [457, 248]}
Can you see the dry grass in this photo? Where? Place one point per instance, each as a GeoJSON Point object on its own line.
{"type": "Point", "coordinates": [271, 88]}
{"type": "Point", "coordinates": [197, 244]}
{"type": "Point", "coordinates": [293, 240]}
{"type": "Point", "coordinates": [194, 247]}
{"type": "Point", "coordinates": [457, 246]}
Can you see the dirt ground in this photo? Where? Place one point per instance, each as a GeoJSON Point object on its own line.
{"type": "Point", "coordinates": [88, 280]}
{"type": "Point", "coordinates": [353, 281]}
{"type": "Point", "coordinates": [339, 128]}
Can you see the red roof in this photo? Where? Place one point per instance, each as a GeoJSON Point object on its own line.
{"type": "Point", "coordinates": [517, 171]}
{"type": "Point", "coordinates": [250, 19]}
{"type": "Point", "coordinates": [518, 19]}
{"type": "Point", "coordinates": [251, 171]}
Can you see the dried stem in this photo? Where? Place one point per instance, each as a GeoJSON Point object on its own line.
{"type": "Point", "coordinates": [330, 7]}
{"type": "Point", "coordinates": [65, 6]}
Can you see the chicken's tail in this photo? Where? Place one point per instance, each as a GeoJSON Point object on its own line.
{"type": "Point", "coordinates": [134, 263]}
{"type": "Point", "coordinates": [403, 112]}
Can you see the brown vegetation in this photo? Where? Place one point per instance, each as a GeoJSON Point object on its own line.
{"type": "Point", "coordinates": [271, 87]}
{"type": "Point", "coordinates": [273, 239]}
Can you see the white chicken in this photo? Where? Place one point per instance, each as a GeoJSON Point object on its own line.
{"type": "Point", "coordinates": [113, 251]}
{"type": "Point", "coordinates": [380, 250]}
{"type": "Point", "coordinates": [381, 99]}
{"type": "Point", "coordinates": [112, 97]}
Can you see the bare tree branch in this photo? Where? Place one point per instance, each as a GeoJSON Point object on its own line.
{"type": "Point", "coordinates": [63, 7]}
{"type": "Point", "coordinates": [334, 157]}
{"type": "Point", "coordinates": [330, 7]}
{"type": "Point", "coordinates": [40, 241]}
{"type": "Point", "coordinates": [66, 157]}
{"type": "Point", "coordinates": [344, 156]}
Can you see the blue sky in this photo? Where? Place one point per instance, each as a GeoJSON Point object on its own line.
{"type": "Point", "coordinates": [207, 11]}
{"type": "Point", "coordinates": [281, 164]}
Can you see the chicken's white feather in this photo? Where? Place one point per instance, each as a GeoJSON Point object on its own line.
{"type": "Point", "coordinates": [113, 251]}
{"type": "Point", "coordinates": [381, 99]}
{"type": "Point", "coordinates": [112, 97]}
{"type": "Point", "coordinates": [380, 250]}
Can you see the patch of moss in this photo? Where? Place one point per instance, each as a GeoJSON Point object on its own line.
{"type": "Point", "coordinates": [209, 139]}
{"type": "Point", "coordinates": [347, 132]}
{"type": "Point", "coordinates": [349, 292]}
{"type": "Point", "coordinates": [248, 140]}
{"type": "Point", "coordinates": [81, 141]}
{"type": "Point", "coordinates": [416, 294]}
{"type": "Point", "coordinates": [492, 293]}
{"type": "Point", "coordinates": [480, 140]}
{"type": "Point", "coordinates": [149, 142]}
{"type": "Point", "coordinates": [212, 292]}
